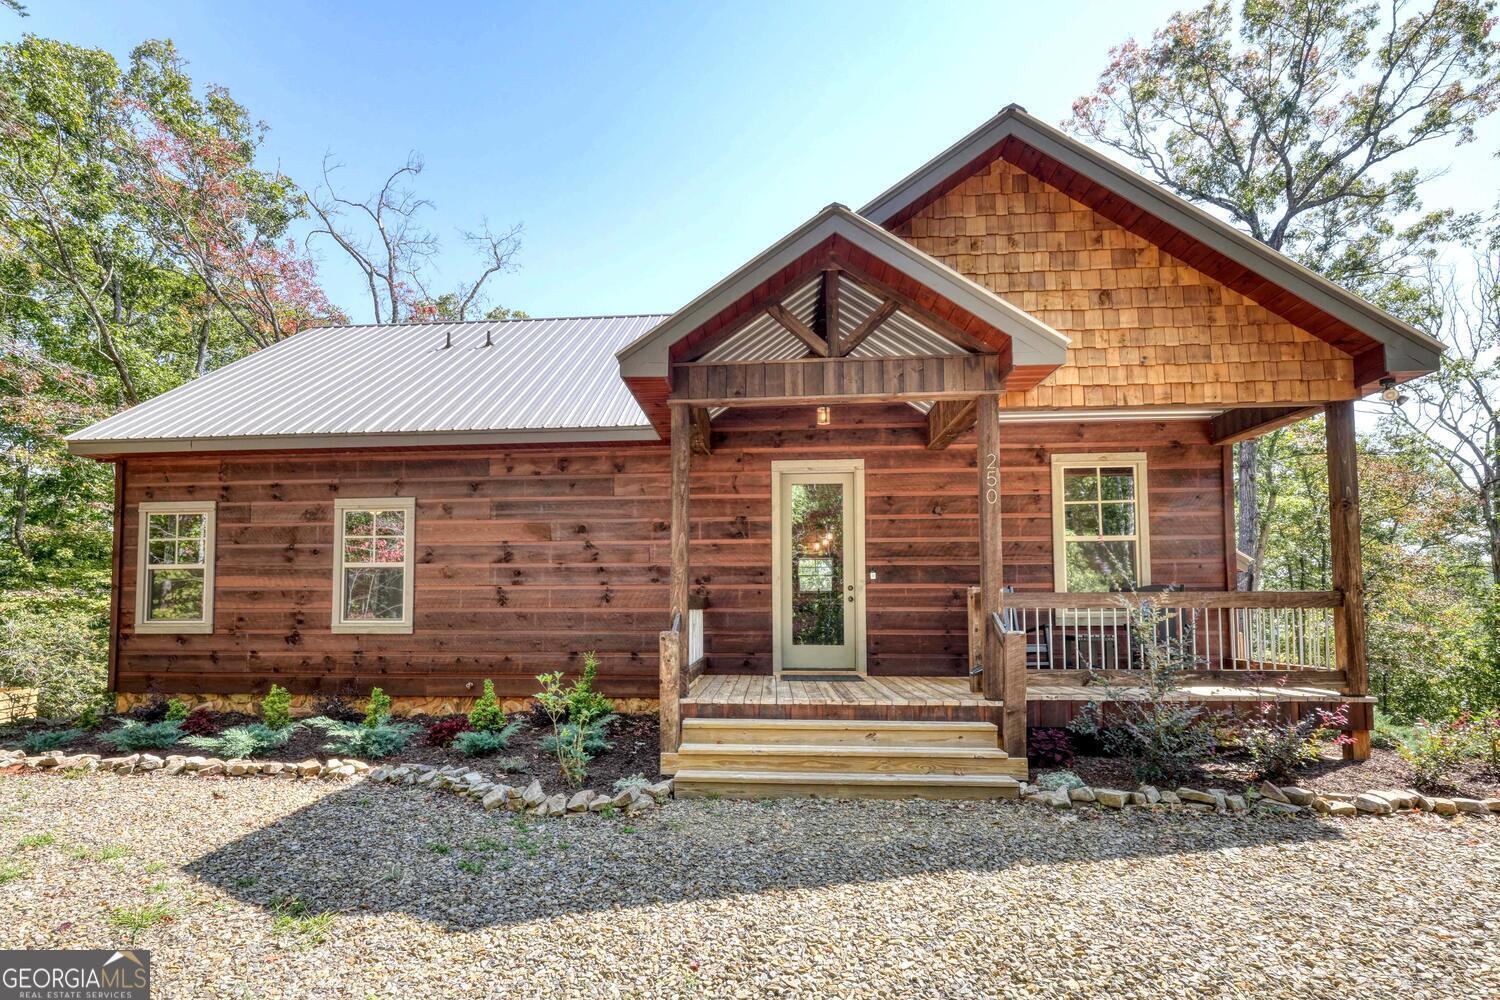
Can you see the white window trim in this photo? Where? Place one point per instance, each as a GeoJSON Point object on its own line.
{"type": "Point", "coordinates": [1136, 460]}
{"type": "Point", "coordinates": [408, 505]}
{"type": "Point", "coordinates": [143, 622]}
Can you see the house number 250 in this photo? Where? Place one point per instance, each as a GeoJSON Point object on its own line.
{"type": "Point", "coordinates": [991, 478]}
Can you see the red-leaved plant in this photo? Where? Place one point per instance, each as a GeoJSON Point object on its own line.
{"type": "Point", "coordinates": [443, 732]}
{"type": "Point", "coordinates": [199, 723]}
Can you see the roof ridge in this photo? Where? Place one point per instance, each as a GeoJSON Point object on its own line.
{"type": "Point", "coordinates": [482, 322]}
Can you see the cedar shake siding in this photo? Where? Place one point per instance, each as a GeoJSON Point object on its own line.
{"type": "Point", "coordinates": [527, 557]}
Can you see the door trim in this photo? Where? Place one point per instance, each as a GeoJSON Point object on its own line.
{"type": "Point", "coordinates": [855, 533]}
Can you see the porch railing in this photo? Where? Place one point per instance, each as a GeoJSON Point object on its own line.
{"type": "Point", "coordinates": [1214, 631]}
{"type": "Point", "coordinates": [683, 656]}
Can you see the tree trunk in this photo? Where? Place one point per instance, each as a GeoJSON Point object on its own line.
{"type": "Point", "coordinates": [1247, 508]}
{"type": "Point", "coordinates": [18, 520]}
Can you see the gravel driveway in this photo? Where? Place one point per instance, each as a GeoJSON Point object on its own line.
{"type": "Point", "coordinates": [260, 888]}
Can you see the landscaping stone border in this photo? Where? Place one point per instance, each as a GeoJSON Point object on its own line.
{"type": "Point", "coordinates": [1266, 798]}
{"type": "Point", "coordinates": [465, 781]}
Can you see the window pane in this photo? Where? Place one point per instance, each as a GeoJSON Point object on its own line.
{"type": "Point", "coordinates": [190, 552]}
{"type": "Point", "coordinates": [373, 594]}
{"type": "Point", "coordinates": [160, 525]}
{"type": "Point", "coordinates": [1080, 484]}
{"type": "Point", "coordinates": [390, 550]}
{"type": "Point", "coordinates": [189, 525]}
{"type": "Point", "coordinates": [1082, 519]}
{"type": "Point", "coordinates": [176, 595]}
{"type": "Point", "coordinates": [390, 522]}
{"type": "Point", "coordinates": [1119, 518]}
{"type": "Point", "coordinates": [1097, 567]}
{"type": "Point", "coordinates": [1117, 484]}
{"type": "Point", "coordinates": [359, 550]}
{"type": "Point", "coordinates": [817, 552]}
{"type": "Point", "coordinates": [359, 522]}
{"type": "Point", "coordinates": [159, 552]}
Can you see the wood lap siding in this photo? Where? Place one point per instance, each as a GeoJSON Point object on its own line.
{"type": "Point", "coordinates": [525, 558]}
{"type": "Point", "coordinates": [1147, 328]}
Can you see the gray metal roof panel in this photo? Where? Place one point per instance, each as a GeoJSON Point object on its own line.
{"type": "Point", "coordinates": [537, 376]}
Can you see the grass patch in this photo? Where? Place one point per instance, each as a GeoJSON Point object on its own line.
{"type": "Point", "coordinates": [36, 840]}
{"type": "Point", "coordinates": [10, 871]}
{"type": "Point", "coordinates": [439, 848]}
{"type": "Point", "coordinates": [295, 920]}
{"type": "Point", "coordinates": [473, 866]}
{"type": "Point", "coordinates": [484, 845]}
{"type": "Point", "coordinates": [109, 852]}
{"type": "Point", "coordinates": [140, 918]}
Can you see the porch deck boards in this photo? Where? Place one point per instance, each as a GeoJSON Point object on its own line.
{"type": "Point", "coordinates": [893, 698]}
{"type": "Point", "coordinates": [1305, 686]}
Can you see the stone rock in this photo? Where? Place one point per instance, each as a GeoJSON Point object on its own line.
{"type": "Point", "coordinates": [622, 799]}
{"type": "Point", "coordinates": [1059, 798]}
{"type": "Point", "coordinates": [1200, 806]}
{"type": "Point", "coordinates": [1372, 804]}
{"type": "Point", "coordinates": [1298, 796]}
{"type": "Point", "coordinates": [149, 762]}
{"type": "Point", "coordinates": [1421, 802]}
{"type": "Point", "coordinates": [120, 765]}
{"type": "Point", "coordinates": [1111, 797]}
{"type": "Point", "coordinates": [600, 804]}
{"type": "Point", "coordinates": [309, 768]}
{"type": "Point", "coordinates": [533, 796]}
{"type": "Point", "coordinates": [1398, 800]}
{"type": "Point", "coordinates": [1169, 798]}
{"type": "Point", "coordinates": [661, 791]}
{"type": "Point", "coordinates": [236, 767]}
{"type": "Point", "coordinates": [272, 767]}
{"type": "Point", "coordinates": [1270, 805]}
{"type": "Point", "coordinates": [1319, 805]}
{"type": "Point", "coordinates": [1236, 803]}
{"type": "Point", "coordinates": [1272, 793]}
{"type": "Point", "coordinates": [496, 798]}
{"type": "Point", "coordinates": [1084, 794]}
{"type": "Point", "coordinates": [1338, 796]}
{"type": "Point", "coordinates": [51, 759]}
{"type": "Point", "coordinates": [1221, 799]}
{"type": "Point", "coordinates": [1445, 807]}
{"type": "Point", "coordinates": [194, 763]}
{"type": "Point", "coordinates": [1152, 795]}
{"type": "Point", "coordinates": [360, 767]}
{"type": "Point", "coordinates": [1493, 805]}
{"type": "Point", "coordinates": [1473, 807]}
{"type": "Point", "coordinates": [173, 767]}
{"type": "Point", "coordinates": [515, 802]}
{"type": "Point", "coordinates": [580, 801]}
{"type": "Point", "coordinates": [1193, 795]}
{"type": "Point", "coordinates": [212, 765]}
{"type": "Point", "coordinates": [342, 771]}
{"type": "Point", "coordinates": [556, 804]}
{"type": "Point", "coordinates": [334, 762]}
{"type": "Point", "coordinates": [1338, 807]}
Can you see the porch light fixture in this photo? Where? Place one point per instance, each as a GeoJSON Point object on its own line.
{"type": "Point", "coordinates": [825, 416]}
{"type": "Point", "coordinates": [1390, 393]}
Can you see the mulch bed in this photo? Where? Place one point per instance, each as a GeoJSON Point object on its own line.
{"type": "Point", "coordinates": [636, 750]}
{"type": "Point", "coordinates": [1384, 769]}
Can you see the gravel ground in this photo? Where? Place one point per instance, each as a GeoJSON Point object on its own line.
{"type": "Point", "coordinates": [266, 888]}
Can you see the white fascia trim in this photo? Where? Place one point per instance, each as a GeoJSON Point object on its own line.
{"type": "Point", "coordinates": [405, 439]}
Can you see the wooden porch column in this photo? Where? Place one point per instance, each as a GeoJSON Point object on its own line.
{"type": "Point", "coordinates": [674, 649]}
{"type": "Point", "coordinates": [1001, 679]}
{"type": "Point", "coordinates": [1348, 566]}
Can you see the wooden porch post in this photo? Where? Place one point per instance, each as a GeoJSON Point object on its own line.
{"type": "Point", "coordinates": [674, 643]}
{"type": "Point", "coordinates": [1002, 678]}
{"type": "Point", "coordinates": [1348, 567]}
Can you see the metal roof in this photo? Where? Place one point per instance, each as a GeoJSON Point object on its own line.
{"type": "Point", "coordinates": [349, 386]}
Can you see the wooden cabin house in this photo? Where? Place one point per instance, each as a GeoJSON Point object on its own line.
{"type": "Point", "coordinates": [850, 519]}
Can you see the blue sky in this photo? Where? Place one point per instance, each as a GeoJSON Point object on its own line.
{"type": "Point", "coordinates": [648, 149]}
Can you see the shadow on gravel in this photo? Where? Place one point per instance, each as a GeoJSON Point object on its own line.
{"type": "Point", "coordinates": [372, 848]}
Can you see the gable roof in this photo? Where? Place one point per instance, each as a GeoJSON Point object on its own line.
{"type": "Point", "coordinates": [1381, 344]}
{"type": "Point", "coordinates": [1033, 343]}
{"type": "Point", "coordinates": [540, 380]}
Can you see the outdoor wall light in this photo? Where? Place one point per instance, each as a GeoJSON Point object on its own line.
{"type": "Point", "coordinates": [825, 416]}
{"type": "Point", "coordinates": [1390, 393]}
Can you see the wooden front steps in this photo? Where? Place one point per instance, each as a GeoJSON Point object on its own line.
{"type": "Point", "coordinates": [755, 758]}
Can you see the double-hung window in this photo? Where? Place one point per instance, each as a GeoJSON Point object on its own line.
{"type": "Point", "coordinates": [372, 573]}
{"type": "Point", "coordinates": [175, 567]}
{"type": "Point", "coordinates": [1099, 522]}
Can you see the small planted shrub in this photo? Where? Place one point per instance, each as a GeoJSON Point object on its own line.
{"type": "Point", "coordinates": [380, 739]}
{"type": "Point", "coordinates": [378, 709]}
{"type": "Point", "coordinates": [276, 708]}
{"type": "Point", "coordinates": [337, 706]}
{"type": "Point", "coordinates": [487, 716]}
{"type": "Point", "coordinates": [244, 741]}
{"type": "Point", "coordinates": [199, 723]}
{"type": "Point", "coordinates": [482, 743]}
{"type": "Point", "coordinates": [579, 717]}
{"type": "Point", "coordinates": [44, 740]}
{"type": "Point", "coordinates": [133, 735]}
{"type": "Point", "coordinates": [1057, 780]}
{"type": "Point", "coordinates": [1050, 748]}
{"type": "Point", "coordinates": [637, 782]}
{"type": "Point", "coordinates": [177, 710]}
{"type": "Point", "coordinates": [592, 739]}
{"type": "Point", "coordinates": [442, 732]}
{"type": "Point", "coordinates": [1435, 751]}
{"type": "Point", "coordinates": [1277, 749]}
{"type": "Point", "coordinates": [584, 703]}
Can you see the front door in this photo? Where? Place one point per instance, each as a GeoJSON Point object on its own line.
{"type": "Point", "coordinates": [818, 577]}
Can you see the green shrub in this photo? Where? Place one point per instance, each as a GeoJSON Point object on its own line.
{"type": "Point", "coordinates": [1436, 750]}
{"type": "Point", "coordinates": [584, 703]}
{"type": "Point", "coordinates": [487, 716]}
{"type": "Point", "coordinates": [1054, 781]}
{"type": "Point", "coordinates": [133, 735]}
{"type": "Point", "coordinates": [54, 642]}
{"type": "Point", "coordinates": [380, 739]}
{"type": "Point", "coordinates": [378, 709]}
{"type": "Point", "coordinates": [1277, 748]}
{"type": "Point", "coordinates": [480, 743]}
{"type": "Point", "coordinates": [44, 740]}
{"type": "Point", "coordinates": [244, 741]}
{"type": "Point", "coordinates": [177, 710]}
{"type": "Point", "coordinates": [592, 739]}
{"type": "Point", "coordinates": [638, 782]}
{"type": "Point", "coordinates": [276, 708]}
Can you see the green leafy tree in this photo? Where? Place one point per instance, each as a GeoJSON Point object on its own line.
{"type": "Point", "coordinates": [1292, 120]}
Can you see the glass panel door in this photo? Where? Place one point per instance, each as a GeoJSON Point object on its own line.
{"type": "Point", "coordinates": [817, 578]}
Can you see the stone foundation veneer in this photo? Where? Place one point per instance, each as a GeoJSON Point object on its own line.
{"type": "Point", "coordinates": [303, 704]}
